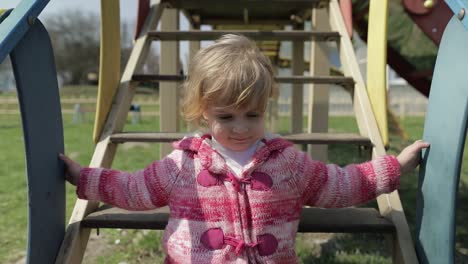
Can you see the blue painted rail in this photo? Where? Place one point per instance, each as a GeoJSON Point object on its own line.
{"type": "Point", "coordinates": [445, 128]}
{"type": "Point", "coordinates": [459, 8]}
{"type": "Point", "coordinates": [18, 22]}
{"type": "Point", "coordinates": [26, 40]}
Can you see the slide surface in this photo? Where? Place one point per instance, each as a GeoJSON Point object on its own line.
{"type": "Point", "coordinates": [36, 81]}
{"type": "Point", "coordinates": [445, 129]}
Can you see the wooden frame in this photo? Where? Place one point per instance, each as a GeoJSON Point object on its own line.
{"type": "Point", "coordinates": [389, 204]}
{"type": "Point", "coordinates": [297, 93]}
{"type": "Point", "coordinates": [76, 238]}
{"type": "Point", "coordinates": [168, 91]}
{"type": "Point", "coordinates": [346, 82]}
{"type": "Point", "coordinates": [319, 64]}
{"type": "Point", "coordinates": [297, 35]}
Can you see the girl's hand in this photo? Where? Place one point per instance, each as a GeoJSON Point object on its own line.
{"type": "Point", "coordinates": [72, 169]}
{"type": "Point", "coordinates": [410, 157]}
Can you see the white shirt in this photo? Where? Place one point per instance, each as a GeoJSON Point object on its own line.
{"type": "Point", "coordinates": [236, 160]}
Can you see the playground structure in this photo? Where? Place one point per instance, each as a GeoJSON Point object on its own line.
{"type": "Point", "coordinates": [43, 128]}
{"type": "Point", "coordinates": [424, 23]}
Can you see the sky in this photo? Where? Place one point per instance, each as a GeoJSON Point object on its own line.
{"type": "Point", "coordinates": [128, 14]}
{"type": "Point", "coordinates": [128, 8]}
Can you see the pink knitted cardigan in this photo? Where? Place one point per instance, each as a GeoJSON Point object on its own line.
{"type": "Point", "coordinates": [216, 218]}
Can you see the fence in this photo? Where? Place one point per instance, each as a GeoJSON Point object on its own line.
{"type": "Point", "coordinates": [341, 106]}
{"type": "Point", "coordinates": [401, 107]}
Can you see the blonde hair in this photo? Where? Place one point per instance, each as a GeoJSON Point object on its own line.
{"type": "Point", "coordinates": [231, 72]}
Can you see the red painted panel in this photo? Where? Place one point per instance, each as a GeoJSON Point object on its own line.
{"type": "Point", "coordinates": [432, 21]}
{"type": "Point", "coordinates": [347, 12]}
{"type": "Point", "coordinates": [143, 10]}
{"type": "Point", "coordinates": [417, 6]}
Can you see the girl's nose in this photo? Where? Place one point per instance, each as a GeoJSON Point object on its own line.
{"type": "Point", "coordinates": [240, 128]}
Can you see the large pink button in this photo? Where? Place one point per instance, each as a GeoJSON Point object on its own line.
{"type": "Point", "coordinates": [261, 181]}
{"type": "Point", "coordinates": [267, 244]}
{"type": "Point", "coordinates": [213, 238]}
{"type": "Point", "coordinates": [207, 179]}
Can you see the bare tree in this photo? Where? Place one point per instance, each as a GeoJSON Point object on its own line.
{"type": "Point", "coordinates": [75, 39]}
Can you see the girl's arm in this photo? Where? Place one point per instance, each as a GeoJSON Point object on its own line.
{"type": "Point", "coordinates": [145, 189]}
{"type": "Point", "coordinates": [333, 186]}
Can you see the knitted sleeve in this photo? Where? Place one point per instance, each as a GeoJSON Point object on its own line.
{"type": "Point", "coordinates": [331, 186]}
{"type": "Point", "coordinates": [145, 189]}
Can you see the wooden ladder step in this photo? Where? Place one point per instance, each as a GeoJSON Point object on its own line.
{"type": "Point", "coordinates": [234, 5]}
{"type": "Point", "coordinates": [343, 220]}
{"type": "Point", "coordinates": [252, 12]}
{"type": "Point", "coordinates": [346, 82]}
{"type": "Point", "coordinates": [301, 138]}
{"type": "Point", "coordinates": [280, 35]}
{"type": "Point", "coordinates": [328, 138]}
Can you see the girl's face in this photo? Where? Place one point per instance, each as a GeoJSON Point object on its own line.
{"type": "Point", "coordinates": [235, 129]}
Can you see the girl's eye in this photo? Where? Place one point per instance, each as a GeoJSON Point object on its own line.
{"type": "Point", "coordinates": [253, 115]}
{"type": "Point", "coordinates": [224, 117]}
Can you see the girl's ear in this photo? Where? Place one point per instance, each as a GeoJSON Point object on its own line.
{"type": "Point", "coordinates": [205, 115]}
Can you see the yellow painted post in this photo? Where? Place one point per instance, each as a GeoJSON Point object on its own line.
{"type": "Point", "coordinates": [376, 64]}
{"type": "Point", "coordinates": [109, 63]}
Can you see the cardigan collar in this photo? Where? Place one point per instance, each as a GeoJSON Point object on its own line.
{"type": "Point", "coordinates": [214, 162]}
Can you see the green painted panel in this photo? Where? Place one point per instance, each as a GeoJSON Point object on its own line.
{"type": "Point", "coordinates": [35, 74]}
{"type": "Point", "coordinates": [445, 128]}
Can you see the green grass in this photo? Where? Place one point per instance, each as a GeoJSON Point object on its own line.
{"type": "Point", "coordinates": [86, 96]}
{"type": "Point", "coordinates": [12, 192]}
{"type": "Point", "coordinates": [143, 246]}
{"type": "Point", "coordinates": [13, 184]}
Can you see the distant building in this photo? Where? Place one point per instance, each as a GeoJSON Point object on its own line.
{"type": "Point", "coordinates": [7, 80]}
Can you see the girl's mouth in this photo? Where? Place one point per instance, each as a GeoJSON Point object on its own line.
{"type": "Point", "coordinates": [240, 139]}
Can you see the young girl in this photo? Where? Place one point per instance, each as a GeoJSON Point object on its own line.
{"type": "Point", "coordinates": [235, 193]}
